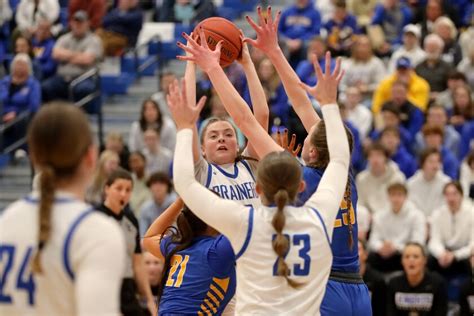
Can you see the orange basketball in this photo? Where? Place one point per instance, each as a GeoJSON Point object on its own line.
{"type": "Point", "coordinates": [217, 29]}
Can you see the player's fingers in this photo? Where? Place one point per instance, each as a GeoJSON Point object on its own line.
{"type": "Point", "coordinates": [219, 46]}
{"type": "Point", "coordinates": [327, 70]}
{"type": "Point", "coordinates": [201, 103]}
{"type": "Point", "coordinates": [250, 41]}
{"type": "Point", "coordinates": [191, 41]}
{"type": "Point", "coordinates": [284, 138]}
{"type": "Point", "coordinates": [269, 15]}
{"type": "Point", "coordinates": [277, 20]}
{"type": "Point", "coordinates": [278, 138]}
{"type": "Point", "coordinates": [187, 49]}
{"type": "Point", "coordinates": [317, 68]}
{"type": "Point", "coordinates": [337, 69]}
{"type": "Point", "coordinates": [183, 90]}
{"type": "Point", "coordinates": [292, 142]}
{"type": "Point", "coordinates": [297, 150]}
{"type": "Point", "coordinates": [186, 58]}
{"type": "Point", "coordinates": [203, 38]}
{"type": "Point", "coordinates": [252, 23]}
{"type": "Point", "coordinates": [261, 19]}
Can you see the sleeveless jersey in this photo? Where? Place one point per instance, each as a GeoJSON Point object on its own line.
{"type": "Point", "coordinates": [234, 181]}
{"type": "Point", "coordinates": [309, 260]}
{"type": "Point", "coordinates": [196, 286]}
{"type": "Point", "coordinates": [77, 233]}
{"type": "Point", "coordinates": [345, 259]}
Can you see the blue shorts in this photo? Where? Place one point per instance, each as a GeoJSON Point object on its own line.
{"type": "Point", "coordinates": [348, 299]}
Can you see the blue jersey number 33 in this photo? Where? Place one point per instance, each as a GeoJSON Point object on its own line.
{"type": "Point", "coordinates": [24, 278]}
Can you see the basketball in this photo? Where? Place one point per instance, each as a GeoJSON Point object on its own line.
{"type": "Point", "coordinates": [217, 29]}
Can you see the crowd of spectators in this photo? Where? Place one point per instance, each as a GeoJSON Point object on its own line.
{"type": "Point", "coordinates": [407, 96]}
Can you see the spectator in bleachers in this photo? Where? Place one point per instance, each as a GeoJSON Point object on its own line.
{"type": "Point", "coordinates": [114, 142]}
{"type": "Point", "coordinates": [299, 22]}
{"type": "Point", "coordinates": [140, 192]}
{"type": "Point", "coordinates": [433, 69]}
{"type": "Point", "coordinates": [363, 10]}
{"type": "Point", "coordinates": [392, 228]}
{"type": "Point", "coordinates": [446, 29]}
{"type": "Point", "coordinates": [158, 158]}
{"type": "Point", "coordinates": [374, 280]}
{"type": "Point", "coordinates": [152, 117]}
{"type": "Point", "coordinates": [325, 8]}
{"type": "Point", "coordinates": [76, 52]}
{"type": "Point", "coordinates": [467, 139]}
{"type": "Point", "coordinates": [466, 177]}
{"type": "Point", "coordinates": [186, 11]}
{"type": "Point", "coordinates": [451, 233]}
{"type": "Point", "coordinates": [391, 16]}
{"type": "Point", "coordinates": [390, 118]}
{"type": "Point", "coordinates": [428, 14]}
{"type": "Point", "coordinates": [418, 88]}
{"type": "Point", "coordinates": [463, 108]}
{"type": "Point", "coordinates": [95, 9]}
{"type": "Point", "coordinates": [357, 113]}
{"type": "Point", "coordinates": [19, 92]}
{"type": "Point", "coordinates": [433, 137]}
{"type": "Point", "coordinates": [466, 66]}
{"type": "Point", "coordinates": [445, 98]}
{"type": "Point", "coordinates": [43, 43]}
{"type": "Point", "coordinates": [390, 139]}
{"type": "Point", "coordinates": [5, 17]}
{"type": "Point", "coordinates": [162, 196]}
{"type": "Point", "coordinates": [437, 116]}
{"type": "Point", "coordinates": [417, 291]}
{"type": "Point", "coordinates": [411, 117]}
{"type": "Point", "coordinates": [363, 70]}
{"type": "Point", "coordinates": [305, 70]}
{"type": "Point", "coordinates": [341, 30]}
{"type": "Point", "coordinates": [30, 12]}
{"type": "Point", "coordinates": [425, 188]}
{"type": "Point", "coordinates": [410, 48]}
{"type": "Point", "coordinates": [23, 46]}
{"type": "Point", "coordinates": [165, 79]}
{"type": "Point", "coordinates": [108, 162]}
{"type": "Point", "coordinates": [357, 154]}
{"type": "Point", "coordinates": [374, 181]}
{"type": "Point", "coordinates": [121, 27]}
{"type": "Point", "coordinates": [465, 39]}
{"type": "Point", "coordinates": [154, 267]}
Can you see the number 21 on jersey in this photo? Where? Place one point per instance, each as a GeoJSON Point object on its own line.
{"type": "Point", "coordinates": [178, 264]}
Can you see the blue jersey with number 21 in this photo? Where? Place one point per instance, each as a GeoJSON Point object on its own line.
{"type": "Point", "coordinates": [345, 259]}
{"type": "Point", "coordinates": [201, 278]}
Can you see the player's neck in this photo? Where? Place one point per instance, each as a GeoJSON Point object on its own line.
{"type": "Point", "coordinates": [416, 279]}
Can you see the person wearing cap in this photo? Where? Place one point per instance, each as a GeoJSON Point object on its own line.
{"type": "Point", "coordinates": [96, 10]}
{"type": "Point", "coordinates": [418, 88]}
{"type": "Point", "coordinates": [433, 69]}
{"type": "Point", "coordinates": [76, 52]}
{"type": "Point", "coordinates": [410, 48]}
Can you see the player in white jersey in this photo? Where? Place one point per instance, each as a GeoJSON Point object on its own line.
{"type": "Point", "coordinates": [57, 256]}
{"type": "Point", "coordinates": [283, 252]}
{"type": "Point", "coordinates": [218, 164]}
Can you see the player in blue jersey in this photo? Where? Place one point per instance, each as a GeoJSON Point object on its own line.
{"type": "Point", "coordinates": [199, 270]}
{"type": "Point", "coordinates": [346, 293]}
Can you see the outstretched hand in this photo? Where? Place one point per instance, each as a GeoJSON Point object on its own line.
{"type": "Point", "coordinates": [267, 31]}
{"type": "Point", "coordinates": [202, 55]}
{"type": "Point", "coordinates": [184, 115]}
{"type": "Point", "coordinates": [325, 91]}
{"type": "Point", "coordinates": [282, 140]}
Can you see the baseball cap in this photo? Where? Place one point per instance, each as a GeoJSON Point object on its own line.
{"type": "Point", "coordinates": [403, 63]}
{"type": "Point", "coordinates": [80, 16]}
{"type": "Point", "coordinates": [412, 28]}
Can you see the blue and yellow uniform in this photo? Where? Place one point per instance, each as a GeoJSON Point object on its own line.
{"type": "Point", "coordinates": [346, 293]}
{"type": "Point", "coordinates": [201, 280]}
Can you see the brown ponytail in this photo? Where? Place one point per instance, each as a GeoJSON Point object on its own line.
{"type": "Point", "coordinates": [59, 137]}
{"type": "Point", "coordinates": [348, 198]}
{"type": "Point", "coordinates": [279, 175]}
{"type": "Point", "coordinates": [47, 189]}
{"type": "Point", "coordinates": [281, 243]}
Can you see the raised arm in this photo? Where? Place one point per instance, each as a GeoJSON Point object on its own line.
{"type": "Point", "coordinates": [228, 217]}
{"type": "Point", "coordinates": [208, 61]}
{"type": "Point", "coordinates": [267, 42]}
{"type": "Point", "coordinates": [151, 240]}
{"type": "Point", "coordinates": [330, 192]}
